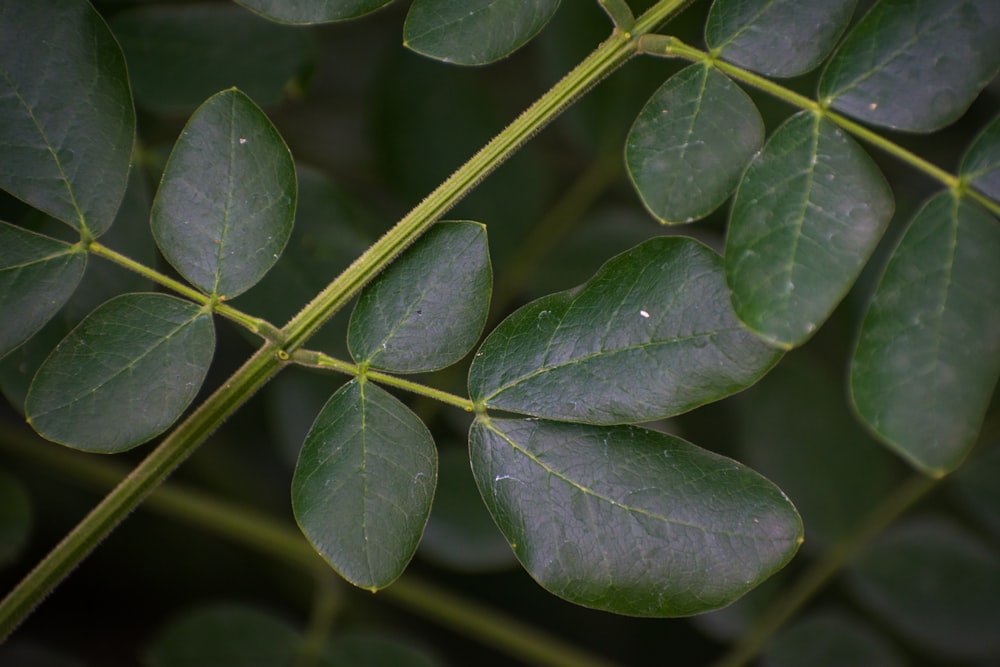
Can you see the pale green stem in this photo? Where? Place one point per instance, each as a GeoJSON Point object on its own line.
{"type": "Point", "coordinates": [619, 12]}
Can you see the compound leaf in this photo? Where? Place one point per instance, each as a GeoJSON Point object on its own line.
{"type": "Point", "coordinates": [928, 356]}
{"type": "Point", "coordinates": [225, 206]}
{"type": "Point", "coordinates": [914, 65]}
{"type": "Point", "coordinates": [426, 310]}
{"type": "Point", "coordinates": [364, 484]}
{"type": "Point", "coordinates": [474, 32]}
{"type": "Point", "coordinates": [312, 11]}
{"type": "Point", "coordinates": [981, 164]}
{"type": "Point", "coordinates": [66, 117]}
{"type": "Point", "coordinates": [779, 38]}
{"type": "Point", "coordinates": [124, 374]}
{"type": "Point", "coordinates": [651, 335]}
{"type": "Point", "coordinates": [807, 216]}
{"type": "Point", "coordinates": [629, 520]}
{"type": "Point", "coordinates": [38, 274]}
{"type": "Point", "coordinates": [691, 142]}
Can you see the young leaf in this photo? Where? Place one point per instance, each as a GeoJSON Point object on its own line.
{"type": "Point", "coordinates": [928, 356]}
{"type": "Point", "coordinates": [426, 310]}
{"type": "Point", "coordinates": [914, 65]}
{"type": "Point", "coordinates": [779, 38]}
{"type": "Point", "coordinates": [651, 335]}
{"type": "Point", "coordinates": [474, 32]}
{"type": "Point", "coordinates": [981, 164]}
{"type": "Point", "coordinates": [807, 215]}
{"type": "Point", "coordinates": [830, 639]}
{"type": "Point", "coordinates": [66, 118]}
{"type": "Point", "coordinates": [312, 11]}
{"type": "Point", "coordinates": [629, 520]}
{"type": "Point", "coordinates": [180, 55]}
{"type": "Point", "coordinates": [224, 209]}
{"type": "Point", "coordinates": [691, 142]}
{"type": "Point", "coordinates": [124, 374]}
{"type": "Point", "coordinates": [364, 484]}
{"type": "Point", "coordinates": [37, 275]}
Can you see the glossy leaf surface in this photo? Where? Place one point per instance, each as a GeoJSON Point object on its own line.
{"type": "Point", "coordinates": [66, 118]}
{"type": "Point", "coordinates": [935, 583]}
{"type": "Point", "coordinates": [37, 276]}
{"type": "Point", "coordinates": [928, 356]}
{"type": "Point", "coordinates": [650, 335]}
{"type": "Point", "coordinates": [776, 37]}
{"type": "Point", "coordinates": [364, 484]}
{"type": "Point", "coordinates": [474, 32]}
{"type": "Point", "coordinates": [915, 65]}
{"type": "Point", "coordinates": [180, 55]}
{"type": "Point", "coordinates": [312, 11]}
{"type": "Point", "coordinates": [808, 214]}
{"type": "Point", "coordinates": [428, 308]}
{"type": "Point", "coordinates": [830, 639]}
{"type": "Point", "coordinates": [629, 520]}
{"type": "Point", "coordinates": [981, 164]}
{"type": "Point", "coordinates": [124, 375]}
{"type": "Point", "coordinates": [690, 143]}
{"type": "Point", "coordinates": [226, 201]}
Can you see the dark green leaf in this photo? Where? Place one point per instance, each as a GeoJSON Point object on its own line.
{"type": "Point", "coordinates": [981, 164]}
{"type": "Point", "coordinates": [935, 583]}
{"type": "Point", "coordinates": [807, 216]}
{"type": "Point", "coordinates": [776, 37]}
{"type": "Point", "coordinates": [37, 275]}
{"type": "Point", "coordinates": [312, 11]}
{"type": "Point", "coordinates": [928, 356]}
{"type": "Point", "coordinates": [649, 336]}
{"type": "Point", "coordinates": [830, 639]}
{"type": "Point", "coordinates": [629, 520]}
{"type": "Point", "coordinates": [180, 55]}
{"type": "Point", "coordinates": [691, 142]}
{"type": "Point", "coordinates": [426, 310]}
{"type": "Point", "coordinates": [474, 32]}
{"type": "Point", "coordinates": [226, 202]}
{"type": "Point", "coordinates": [15, 518]}
{"type": "Point", "coordinates": [224, 634]}
{"type": "Point", "coordinates": [370, 650]}
{"type": "Point", "coordinates": [915, 65]}
{"type": "Point", "coordinates": [364, 484]}
{"type": "Point", "coordinates": [124, 374]}
{"type": "Point", "coordinates": [66, 118]}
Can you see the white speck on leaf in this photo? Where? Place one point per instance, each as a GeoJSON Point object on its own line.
{"type": "Point", "coordinates": [644, 313]}
{"type": "Point", "coordinates": [242, 140]}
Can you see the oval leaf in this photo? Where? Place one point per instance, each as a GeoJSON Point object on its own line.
{"type": "Point", "coordinates": [474, 32]}
{"type": "Point", "coordinates": [807, 216]}
{"type": "Point", "coordinates": [66, 117]}
{"type": "Point", "coordinates": [426, 310]}
{"type": "Point", "coordinates": [312, 11]}
{"type": "Point", "coordinates": [124, 375]}
{"type": "Point", "coordinates": [928, 356]}
{"type": "Point", "coordinates": [364, 484]}
{"type": "Point", "coordinates": [776, 37]}
{"type": "Point", "coordinates": [224, 209]}
{"type": "Point", "coordinates": [691, 142]}
{"type": "Point", "coordinates": [629, 520]}
{"type": "Point", "coordinates": [981, 164]}
{"type": "Point", "coordinates": [649, 336]}
{"type": "Point", "coordinates": [914, 65]}
{"type": "Point", "coordinates": [38, 275]}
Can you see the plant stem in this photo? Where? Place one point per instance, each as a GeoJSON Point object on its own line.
{"type": "Point", "coordinates": [823, 570]}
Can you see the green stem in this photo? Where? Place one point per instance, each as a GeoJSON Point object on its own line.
{"type": "Point", "coordinates": [821, 572]}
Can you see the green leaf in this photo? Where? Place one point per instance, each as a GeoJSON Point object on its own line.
{"type": "Point", "coordinates": [474, 32]}
{"type": "Point", "coordinates": [371, 650]}
{"type": "Point", "coordinates": [779, 38]}
{"type": "Point", "coordinates": [807, 216]}
{"type": "Point", "coordinates": [649, 336]}
{"type": "Point", "coordinates": [15, 519]}
{"type": "Point", "coordinates": [224, 634]}
{"type": "Point", "coordinates": [981, 164]}
{"type": "Point", "coordinates": [830, 639]}
{"type": "Point", "coordinates": [180, 55]}
{"type": "Point", "coordinates": [66, 118]}
{"type": "Point", "coordinates": [928, 356]}
{"type": "Point", "coordinates": [364, 484]}
{"type": "Point", "coordinates": [38, 275]}
{"type": "Point", "coordinates": [691, 142]}
{"type": "Point", "coordinates": [914, 65]}
{"type": "Point", "coordinates": [935, 583]}
{"type": "Point", "coordinates": [124, 375]}
{"type": "Point", "coordinates": [312, 11]}
{"type": "Point", "coordinates": [224, 209]}
{"type": "Point", "coordinates": [629, 520]}
{"type": "Point", "coordinates": [426, 310]}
